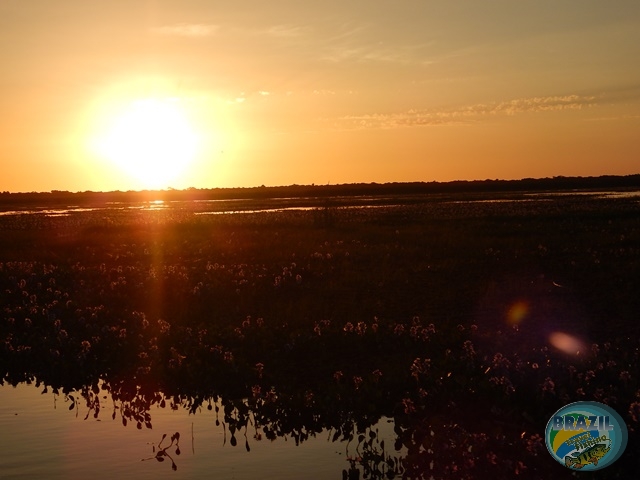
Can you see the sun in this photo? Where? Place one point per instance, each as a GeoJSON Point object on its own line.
{"type": "Point", "coordinates": [150, 140]}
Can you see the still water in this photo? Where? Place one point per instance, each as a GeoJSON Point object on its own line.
{"type": "Point", "coordinates": [41, 438]}
{"type": "Point", "coordinates": [246, 206]}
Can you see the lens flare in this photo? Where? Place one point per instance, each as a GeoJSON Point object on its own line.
{"type": "Point", "coordinates": [517, 312]}
{"type": "Point", "coordinates": [566, 343]}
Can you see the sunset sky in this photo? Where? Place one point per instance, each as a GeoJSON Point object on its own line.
{"type": "Point", "coordinates": [127, 94]}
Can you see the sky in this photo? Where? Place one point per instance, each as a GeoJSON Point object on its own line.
{"type": "Point", "coordinates": [130, 95]}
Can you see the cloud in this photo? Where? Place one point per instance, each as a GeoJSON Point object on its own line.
{"type": "Point", "coordinates": [187, 29]}
{"type": "Point", "coordinates": [467, 115]}
{"type": "Point", "coordinates": [244, 97]}
{"type": "Point", "coordinates": [621, 93]}
{"type": "Point", "coordinates": [538, 104]}
{"type": "Point", "coordinates": [363, 43]}
{"type": "Point", "coordinates": [406, 54]}
{"type": "Point", "coordinates": [614, 118]}
{"type": "Point", "coordinates": [285, 31]}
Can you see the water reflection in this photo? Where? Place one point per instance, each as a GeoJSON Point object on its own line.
{"type": "Point", "coordinates": [161, 453]}
{"type": "Point", "coordinates": [234, 206]}
{"type": "Point", "coordinates": [63, 212]}
{"type": "Point", "coordinates": [40, 439]}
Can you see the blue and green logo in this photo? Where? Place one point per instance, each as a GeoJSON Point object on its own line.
{"type": "Point", "coordinates": [586, 436]}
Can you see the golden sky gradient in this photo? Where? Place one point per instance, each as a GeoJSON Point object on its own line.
{"type": "Point", "coordinates": [290, 91]}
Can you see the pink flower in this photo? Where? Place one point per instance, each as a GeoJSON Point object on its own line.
{"type": "Point", "coordinates": [468, 348]}
{"type": "Point", "coordinates": [549, 386]}
{"type": "Point", "coordinates": [164, 326]}
{"type": "Point", "coordinates": [308, 397]}
{"type": "Point", "coordinates": [256, 391]}
{"type": "Point", "coordinates": [634, 411]}
{"type": "Point", "coordinates": [409, 406]}
{"type": "Point", "coordinates": [534, 444]}
{"type": "Point", "coordinates": [361, 328]}
{"type": "Point", "coordinates": [271, 396]}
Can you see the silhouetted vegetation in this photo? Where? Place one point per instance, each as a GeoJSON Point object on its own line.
{"type": "Point", "coordinates": [65, 198]}
{"type": "Point", "coordinates": [435, 312]}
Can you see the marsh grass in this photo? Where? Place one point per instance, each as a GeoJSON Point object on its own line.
{"type": "Point", "coordinates": [294, 327]}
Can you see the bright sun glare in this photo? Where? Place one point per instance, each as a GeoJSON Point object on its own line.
{"type": "Point", "coordinates": [151, 140]}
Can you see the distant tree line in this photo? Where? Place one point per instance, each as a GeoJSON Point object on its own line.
{"type": "Point", "coordinates": [560, 183]}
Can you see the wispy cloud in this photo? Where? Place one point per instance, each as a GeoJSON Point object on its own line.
{"type": "Point", "coordinates": [467, 115]}
{"type": "Point", "coordinates": [363, 43]}
{"type": "Point", "coordinates": [324, 92]}
{"type": "Point", "coordinates": [244, 97]}
{"type": "Point", "coordinates": [285, 31]}
{"type": "Point", "coordinates": [534, 104]}
{"type": "Point", "coordinates": [187, 29]}
{"type": "Point", "coordinates": [414, 54]}
{"type": "Point", "coordinates": [614, 118]}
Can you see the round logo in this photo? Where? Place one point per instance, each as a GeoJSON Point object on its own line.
{"type": "Point", "coordinates": [586, 436]}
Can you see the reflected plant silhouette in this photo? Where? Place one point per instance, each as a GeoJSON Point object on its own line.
{"type": "Point", "coordinates": [161, 453]}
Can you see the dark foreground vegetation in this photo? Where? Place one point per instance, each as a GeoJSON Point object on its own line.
{"type": "Point", "coordinates": [468, 322]}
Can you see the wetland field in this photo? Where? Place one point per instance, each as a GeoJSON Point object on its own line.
{"type": "Point", "coordinates": [368, 337]}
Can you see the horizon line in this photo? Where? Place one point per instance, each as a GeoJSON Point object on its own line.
{"type": "Point", "coordinates": [314, 185]}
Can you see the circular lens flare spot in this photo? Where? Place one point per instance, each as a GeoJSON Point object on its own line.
{"type": "Point", "coordinates": [566, 343]}
{"type": "Point", "coordinates": [517, 312]}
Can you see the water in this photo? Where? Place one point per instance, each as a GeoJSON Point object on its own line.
{"type": "Point", "coordinates": [42, 438]}
{"type": "Point", "coordinates": [217, 207]}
